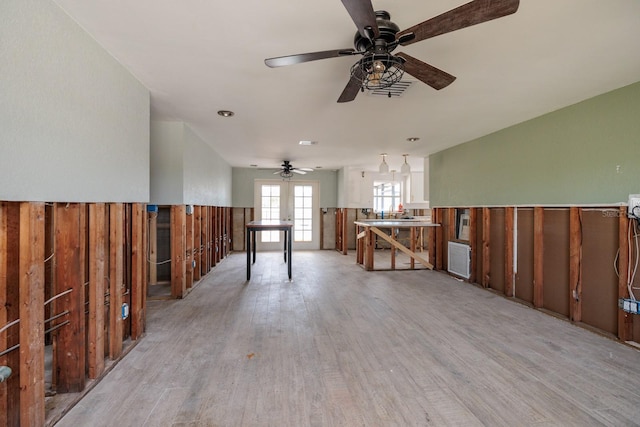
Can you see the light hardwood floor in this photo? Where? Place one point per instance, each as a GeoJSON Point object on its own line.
{"type": "Point", "coordinates": [339, 346]}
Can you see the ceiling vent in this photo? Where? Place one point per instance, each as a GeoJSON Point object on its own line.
{"type": "Point", "coordinates": [396, 90]}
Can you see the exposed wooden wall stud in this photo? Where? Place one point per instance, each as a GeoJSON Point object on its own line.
{"type": "Point", "coordinates": [69, 339]}
{"type": "Point", "coordinates": [97, 241]}
{"type": "Point", "coordinates": [538, 257]}
{"type": "Point", "coordinates": [486, 247]}
{"type": "Point", "coordinates": [509, 213]}
{"type": "Point", "coordinates": [138, 276]}
{"type": "Point", "coordinates": [31, 285]}
{"type": "Point", "coordinates": [116, 278]}
{"type": "Point", "coordinates": [575, 264]}
{"type": "Point", "coordinates": [178, 232]}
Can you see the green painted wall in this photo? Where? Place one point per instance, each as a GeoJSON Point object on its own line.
{"type": "Point", "coordinates": [585, 154]}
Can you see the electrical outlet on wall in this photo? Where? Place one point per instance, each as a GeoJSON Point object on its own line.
{"type": "Point", "coordinates": [633, 211]}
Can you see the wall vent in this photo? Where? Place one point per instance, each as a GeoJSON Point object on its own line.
{"type": "Point", "coordinates": [396, 90]}
{"type": "Point", "coordinates": [459, 257]}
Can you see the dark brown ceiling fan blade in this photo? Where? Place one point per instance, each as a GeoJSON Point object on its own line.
{"type": "Point", "coordinates": [353, 87]}
{"type": "Point", "coordinates": [363, 15]}
{"type": "Point", "coordinates": [282, 61]}
{"type": "Point", "coordinates": [426, 73]}
{"type": "Point", "coordinates": [469, 14]}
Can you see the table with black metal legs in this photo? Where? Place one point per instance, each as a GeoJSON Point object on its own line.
{"type": "Point", "coordinates": [265, 225]}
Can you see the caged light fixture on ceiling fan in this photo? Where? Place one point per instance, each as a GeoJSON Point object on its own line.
{"type": "Point", "coordinates": [378, 37]}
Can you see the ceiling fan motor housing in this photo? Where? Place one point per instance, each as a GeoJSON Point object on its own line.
{"type": "Point", "coordinates": [387, 35]}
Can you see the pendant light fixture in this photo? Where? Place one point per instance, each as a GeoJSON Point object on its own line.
{"type": "Point", "coordinates": [384, 167]}
{"type": "Point", "coordinates": [406, 167]}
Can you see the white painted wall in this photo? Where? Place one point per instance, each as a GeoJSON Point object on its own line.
{"type": "Point", "coordinates": [185, 169]}
{"type": "Point", "coordinates": [74, 123]}
{"type": "Point", "coordinates": [167, 156]}
{"type": "Point", "coordinates": [207, 176]}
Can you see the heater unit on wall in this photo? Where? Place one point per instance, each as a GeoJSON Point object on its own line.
{"type": "Point", "coordinates": [459, 256]}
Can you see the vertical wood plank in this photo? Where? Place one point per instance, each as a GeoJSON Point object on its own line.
{"type": "Point", "coordinates": [473, 230]}
{"type": "Point", "coordinates": [138, 278]}
{"type": "Point", "coordinates": [538, 257]}
{"type": "Point", "coordinates": [451, 221]}
{"type": "Point", "coordinates": [31, 285]}
{"type": "Point", "coordinates": [204, 221]}
{"type": "Point", "coordinates": [345, 232]}
{"type": "Point", "coordinates": [178, 230]}
{"type": "Point", "coordinates": [625, 320]}
{"type": "Point", "coordinates": [214, 235]}
{"type": "Point", "coordinates": [369, 249]}
{"type": "Point", "coordinates": [11, 305]}
{"type": "Point", "coordinates": [153, 247]}
{"type": "Point", "coordinates": [189, 250]}
{"type": "Point", "coordinates": [197, 242]}
{"type": "Point", "coordinates": [4, 318]}
{"type": "Point", "coordinates": [116, 278]}
{"type": "Point", "coordinates": [575, 264]}
{"type": "Point", "coordinates": [439, 239]}
{"type": "Point", "coordinates": [97, 241]}
{"type": "Point", "coordinates": [509, 213]}
{"type": "Point", "coordinates": [486, 247]}
{"type": "Point", "coordinates": [70, 339]}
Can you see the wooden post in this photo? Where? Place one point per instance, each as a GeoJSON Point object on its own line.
{"type": "Point", "coordinates": [451, 229]}
{"type": "Point", "coordinates": [97, 240]}
{"type": "Point", "coordinates": [189, 249]}
{"type": "Point", "coordinates": [625, 320]}
{"type": "Point", "coordinates": [153, 247]}
{"type": "Point", "coordinates": [473, 230]}
{"type": "Point", "coordinates": [178, 231]}
{"type": "Point", "coordinates": [439, 261]}
{"type": "Point", "coordinates": [509, 213]}
{"type": "Point", "coordinates": [197, 242]}
{"type": "Point", "coordinates": [538, 257]}
{"type": "Point", "coordinates": [116, 278]}
{"type": "Point", "coordinates": [486, 247]}
{"type": "Point", "coordinates": [412, 239]}
{"type": "Point", "coordinates": [369, 249]}
{"type": "Point", "coordinates": [204, 221]}
{"type": "Point", "coordinates": [31, 289]}
{"type": "Point", "coordinates": [70, 339]}
{"type": "Point", "coordinates": [345, 232]}
{"type": "Point", "coordinates": [575, 264]}
{"type": "Point", "coordinates": [138, 278]}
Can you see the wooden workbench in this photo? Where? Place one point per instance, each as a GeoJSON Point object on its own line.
{"type": "Point", "coordinates": [367, 230]}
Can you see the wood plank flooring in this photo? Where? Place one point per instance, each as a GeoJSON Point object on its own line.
{"type": "Point", "coordinates": [340, 346]}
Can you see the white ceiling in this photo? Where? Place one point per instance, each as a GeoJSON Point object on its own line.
{"type": "Point", "coordinates": [198, 57]}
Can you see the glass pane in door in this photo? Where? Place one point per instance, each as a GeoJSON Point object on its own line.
{"type": "Point", "coordinates": [302, 213]}
{"type": "Point", "coordinates": [270, 210]}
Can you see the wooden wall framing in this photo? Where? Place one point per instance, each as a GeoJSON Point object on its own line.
{"type": "Point", "coordinates": [64, 304]}
{"type": "Point", "coordinates": [566, 265]}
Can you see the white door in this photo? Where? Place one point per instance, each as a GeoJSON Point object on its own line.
{"type": "Point", "coordinates": [295, 201]}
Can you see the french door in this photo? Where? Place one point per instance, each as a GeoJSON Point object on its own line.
{"type": "Point", "coordinates": [295, 201]}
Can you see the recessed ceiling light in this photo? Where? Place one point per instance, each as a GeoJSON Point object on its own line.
{"type": "Point", "coordinates": [226, 113]}
{"type": "Point", "coordinates": [413, 139]}
{"type": "Point", "coordinates": [308, 142]}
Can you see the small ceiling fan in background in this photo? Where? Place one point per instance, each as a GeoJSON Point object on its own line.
{"type": "Point", "coordinates": [377, 37]}
{"type": "Point", "coordinates": [287, 170]}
